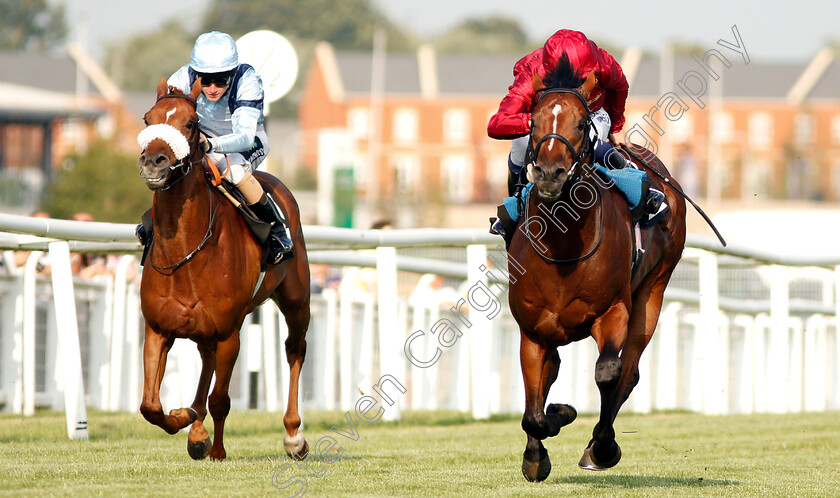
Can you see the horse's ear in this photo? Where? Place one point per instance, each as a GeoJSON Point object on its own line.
{"type": "Point", "coordinates": [162, 87]}
{"type": "Point", "coordinates": [589, 84]}
{"type": "Point", "coordinates": [196, 89]}
{"type": "Point", "coordinates": [537, 82]}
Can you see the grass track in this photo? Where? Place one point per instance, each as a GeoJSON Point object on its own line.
{"type": "Point", "coordinates": [428, 454]}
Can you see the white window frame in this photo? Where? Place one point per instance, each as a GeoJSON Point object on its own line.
{"type": "Point", "coordinates": [723, 127]}
{"type": "Point", "coordinates": [760, 130]}
{"type": "Point", "coordinates": [456, 125]}
{"type": "Point", "coordinates": [406, 126]}
{"type": "Point", "coordinates": [456, 173]}
{"type": "Point", "coordinates": [358, 122]}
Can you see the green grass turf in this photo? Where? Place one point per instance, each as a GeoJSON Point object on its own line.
{"type": "Point", "coordinates": [427, 454]}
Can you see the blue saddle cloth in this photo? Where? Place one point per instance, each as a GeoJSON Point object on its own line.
{"type": "Point", "coordinates": [627, 180]}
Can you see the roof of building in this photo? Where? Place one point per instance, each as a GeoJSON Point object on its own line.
{"type": "Point", "coordinates": [828, 87]}
{"type": "Point", "coordinates": [42, 87]}
{"type": "Point", "coordinates": [486, 75]}
{"type": "Point", "coordinates": [55, 73]}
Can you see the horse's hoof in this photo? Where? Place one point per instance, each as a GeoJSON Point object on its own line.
{"type": "Point", "coordinates": [589, 462]}
{"type": "Point", "coordinates": [184, 416]}
{"type": "Point", "coordinates": [199, 451]}
{"type": "Point", "coordinates": [218, 457]}
{"type": "Point", "coordinates": [565, 413]}
{"type": "Point", "coordinates": [536, 471]}
{"type": "Point", "coordinates": [296, 447]}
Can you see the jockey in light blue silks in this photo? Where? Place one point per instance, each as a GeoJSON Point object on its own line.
{"type": "Point", "coordinates": [230, 113]}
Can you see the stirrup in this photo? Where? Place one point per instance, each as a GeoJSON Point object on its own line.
{"type": "Point", "coordinates": [279, 243]}
{"type": "Point", "coordinates": [496, 226]}
{"type": "Point", "coordinates": [284, 242]}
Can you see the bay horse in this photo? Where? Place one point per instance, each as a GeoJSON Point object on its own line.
{"type": "Point", "coordinates": [202, 277]}
{"type": "Point", "coordinates": [574, 248]}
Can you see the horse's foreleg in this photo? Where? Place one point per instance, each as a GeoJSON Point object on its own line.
{"type": "Point", "coordinates": [539, 371]}
{"type": "Point", "coordinates": [610, 332]}
{"type": "Point", "coordinates": [219, 402]}
{"type": "Point", "coordinates": [155, 350]}
{"type": "Point", "coordinates": [198, 442]}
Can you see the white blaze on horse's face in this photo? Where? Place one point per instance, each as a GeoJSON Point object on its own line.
{"type": "Point", "coordinates": [556, 111]}
{"type": "Point", "coordinates": [170, 113]}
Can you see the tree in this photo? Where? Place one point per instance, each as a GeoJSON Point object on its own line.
{"type": "Point", "coordinates": [347, 25]}
{"type": "Point", "coordinates": [100, 182]}
{"type": "Point", "coordinates": [141, 61]}
{"type": "Point", "coordinates": [491, 35]}
{"type": "Point", "coordinates": [31, 25]}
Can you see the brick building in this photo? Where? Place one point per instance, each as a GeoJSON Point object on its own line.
{"type": "Point", "coordinates": [413, 126]}
{"type": "Point", "coordinates": [51, 105]}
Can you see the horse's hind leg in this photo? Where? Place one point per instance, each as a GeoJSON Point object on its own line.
{"type": "Point", "coordinates": [155, 350]}
{"type": "Point", "coordinates": [646, 308]}
{"type": "Point", "coordinates": [539, 371]}
{"type": "Point", "coordinates": [645, 315]}
{"type": "Point", "coordinates": [198, 442]}
{"type": "Point", "coordinates": [293, 441]}
{"type": "Point", "coordinates": [219, 402]}
{"type": "Point", "coordinates": [294, 304]}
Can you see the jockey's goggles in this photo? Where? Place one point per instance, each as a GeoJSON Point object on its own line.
{"type": "Point", "coordinates": [218, 79]}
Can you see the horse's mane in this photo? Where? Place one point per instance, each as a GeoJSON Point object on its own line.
{"type": "Point", "coordinates": [563, 75]}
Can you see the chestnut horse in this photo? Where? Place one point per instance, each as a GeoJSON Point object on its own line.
{"type": "Point", "coordinates": [202, 277]}
{"type": "Point", "coordinates": [574, 249]}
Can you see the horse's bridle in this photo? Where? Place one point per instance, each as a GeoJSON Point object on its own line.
{"type": "Point", "coordinates": [186, 163]}
{"type": "Point", "coordinates": [587, 149]}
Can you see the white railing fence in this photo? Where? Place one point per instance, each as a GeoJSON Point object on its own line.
{"type": "Point", "coordinates": [741, 331]}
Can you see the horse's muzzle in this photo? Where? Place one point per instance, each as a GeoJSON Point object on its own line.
{"type": "Point", "coordinates": [549, 181]}
{"type": "Point", "coordinates": [549, 190]}
{"type": "Point", "coordinates": [154, 168]}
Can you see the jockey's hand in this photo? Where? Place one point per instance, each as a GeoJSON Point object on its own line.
{"type": "Point", "coordinates": [612, 140]}
{"type": "Point", "coordinates": [205, 145]}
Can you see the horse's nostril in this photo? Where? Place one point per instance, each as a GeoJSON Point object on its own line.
{"type": "Point", "coordinates": [558, 172]}
{"type": "Point", "coordinates": [160, 160]}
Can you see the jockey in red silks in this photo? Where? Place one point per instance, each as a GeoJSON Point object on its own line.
{"type": "Point", "coordinates": [606, 102]}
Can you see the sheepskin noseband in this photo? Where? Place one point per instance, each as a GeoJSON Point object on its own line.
{"type": "Point", "coordinates": [169, 134]}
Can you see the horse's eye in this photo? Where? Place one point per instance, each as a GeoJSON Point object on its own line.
{"type": "Point", "coordinates": [582, 125]}
{"type": "Point", "coordinates": [190, 125]}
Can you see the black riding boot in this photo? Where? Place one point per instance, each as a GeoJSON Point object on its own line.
{"type": "Point", "coordinates": [140, 232]}
{"type": "Point", "coordinates": [279, 241]}
{"type": "Point", "coordinates": [513, 179]}
{"type": "Point", "coordinates": [503, 225]}
{"type": "Point", "coordinates": [654, 201]}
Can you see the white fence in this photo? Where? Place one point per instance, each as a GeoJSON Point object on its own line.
{"type": "Point", "coordinates": [741, 331]}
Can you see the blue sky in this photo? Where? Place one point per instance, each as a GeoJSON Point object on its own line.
{"type": "Point", "coordinates": [770, 29]}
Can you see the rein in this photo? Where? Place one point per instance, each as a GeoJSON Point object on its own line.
{"type": "Point", "coordinates": [193, 141]}
{"type": "Point", "coordinates": [201, 244]}
{"type": "Point", "coordinates": [586, 150]}
{"type": "Point", "coordinates": [569, 260]}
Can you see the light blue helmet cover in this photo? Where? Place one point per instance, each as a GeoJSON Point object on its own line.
{"type": "Point", "coordinates": [214, 52]}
